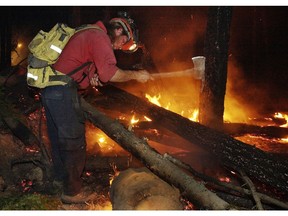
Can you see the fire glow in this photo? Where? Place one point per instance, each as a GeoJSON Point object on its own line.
{"type": "Point", "coordinates": [279, 115]}
{"type": "Point", "coordinates": [192, 114]}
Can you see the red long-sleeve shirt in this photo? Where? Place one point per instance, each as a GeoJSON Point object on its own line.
{"type": "Point", "coordinates": [88, 45]}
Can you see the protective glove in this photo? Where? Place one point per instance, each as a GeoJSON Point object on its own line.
{"type": "Point", "coordinates": [142, 76]}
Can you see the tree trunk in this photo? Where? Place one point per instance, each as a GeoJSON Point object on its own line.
{"type": "Point", "coordinates": [196, 192]}
{"type": "Point", "coordinates": [6, 38]}
{"type": "Point", "coordinates": [230, 152]}
{"type": "Point", "coordinates": [211, 108]}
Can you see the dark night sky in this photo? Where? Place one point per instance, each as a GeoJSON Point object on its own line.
{"type": "Point", "coordinates": [174, 34]}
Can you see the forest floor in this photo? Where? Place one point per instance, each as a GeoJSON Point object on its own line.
{"type": "Point", "coordinates": [21, 186]}
{"type": "Point", "coordinates": [24, 194]}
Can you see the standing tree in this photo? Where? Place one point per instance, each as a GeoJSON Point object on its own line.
{"type": "Point", "coordinates": [216, 52]}
{"type": "Point", "coordinates": [5, 37]}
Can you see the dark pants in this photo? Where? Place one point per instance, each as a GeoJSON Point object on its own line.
{"type": "Point", "coordinates": [66, 131]}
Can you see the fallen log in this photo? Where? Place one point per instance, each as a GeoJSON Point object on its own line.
{"type": "Point", "coordinates": [140, 189]}
{"type": "Point", "coordinates": [232, 153]}
{"type": "Point", "coordinates": [104, 164]}
{"type": "Point", "coordinates": [196, 191]}
{"type": "Point", "coordinates": [268, 131]}
{"type": "Point", "coordinates": [224, 186]}
{"type": "Point", "coordinates": [233, 129]}
{"type": "Point", "coordinates": [20, 130]}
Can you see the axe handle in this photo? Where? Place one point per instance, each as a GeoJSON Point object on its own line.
{"type": "Point", "coordinates": [188, 72]}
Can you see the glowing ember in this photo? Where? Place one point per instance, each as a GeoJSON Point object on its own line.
{"type": "Point", "coordinates": [147, 119]}
{"type": "Point", "coordinates": [121, 117]}
{"type": "Point", "coordinates": [224, 179]}
{"type": "Point", "coordinates": [88, 173]}
{"type": "Point", "coordinates": [282, 116]}
{"type": "Point", "coordinates": [101, 140]}
{"type": "Point", "coordinates": [284, 140]}
{"type": "Point", "coordinates": [133, 120]}
{"type": "Point", "coordinates": [97, 140]}
{"type": "Point", "coordinates": [31, 150]}
{"type": "Point", "coordinates": [99, 143]}
{"type": "Point", "coordinates": [26, 185]}
{"type": "Point", "coordinates": [132, 123]}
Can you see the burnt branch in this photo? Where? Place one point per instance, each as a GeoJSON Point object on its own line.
{"type": "Point", "coordinates": [265, 198]}
{"type": "Point", "coordinates": [252, 189]}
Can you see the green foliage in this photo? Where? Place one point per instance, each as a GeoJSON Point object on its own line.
{"type": "Point", "coordinates": [29, 202]}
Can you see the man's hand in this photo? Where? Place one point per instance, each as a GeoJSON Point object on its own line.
{"type": "Point", "coordinates": [94, 81]}
{"type": "Point", "coordinates": [142, 76]}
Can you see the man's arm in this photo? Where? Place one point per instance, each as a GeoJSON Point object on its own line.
{"type": "Point", "coordinates": [126, 75]}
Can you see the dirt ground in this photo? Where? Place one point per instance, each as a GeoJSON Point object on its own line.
{"type": "Point", "coordinates": [24, 179]}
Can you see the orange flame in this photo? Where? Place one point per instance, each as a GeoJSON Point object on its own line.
{"type": "Point", "coordinates": [134, 121]}
{"type": "Point", "coordinates": [195, 115]}
{"type": "Point", "coordinates": [282, 116]}
{"type": "Point", "coordinates": [156, 100]}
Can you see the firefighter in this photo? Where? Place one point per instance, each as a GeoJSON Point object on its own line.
{"type": "Point", "coordinates": [65, 119]}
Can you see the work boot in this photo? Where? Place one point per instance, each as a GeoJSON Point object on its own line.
{"type": "Point", "coordinates": [80, 198]}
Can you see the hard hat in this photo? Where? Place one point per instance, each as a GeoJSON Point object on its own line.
{"type": "Point", "coordinates": [130, 30]}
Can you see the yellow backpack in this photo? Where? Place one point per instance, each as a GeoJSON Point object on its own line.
{"type": "Point", "coordinates": [45, 49]}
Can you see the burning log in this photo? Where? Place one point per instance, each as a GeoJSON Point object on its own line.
{"type": "Point", "coordinates": [230, 152]}
{"type": "Point", "coordinates": [269, 131]}
{"type": "Point", "coordinates": [196, 192]}
{"type": "Point", "coordinates": [140, 189]}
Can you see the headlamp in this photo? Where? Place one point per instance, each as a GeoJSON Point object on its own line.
{"type": "Point", "coordinates": [130, 46]}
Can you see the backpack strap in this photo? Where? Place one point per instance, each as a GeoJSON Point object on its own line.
{"type": "Point", "coordinates": [67, 77]}
{"type": "Point", "coordinates": [78, 68]}
{"type": "Point", "coordinates": [87, 26]}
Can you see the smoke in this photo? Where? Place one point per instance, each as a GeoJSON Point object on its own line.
{"type": "Point", "coordinates": [173, 35]}
{"type": "Point", "coordinates": [243, 98]}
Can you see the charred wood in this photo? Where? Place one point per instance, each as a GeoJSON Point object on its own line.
{"type": "Point", "coordinates": [243, 202]}
{"type": "Point", "coordinates": [211, 107]}
{"type": "Point", "coordinates": [230, 152]}
{"type": "Point", "coordinates": [102, 163]}
{"type": "Point", "coordinates": [241, 129]}
{"type": "Point", "coordinates": [229, 188]}
{"type": "Point", "coordinates": [252, 189]}
{"type": "Point", "coordinates": [197, 193]}
{"type": "Point", "coordinates": [233, 129]}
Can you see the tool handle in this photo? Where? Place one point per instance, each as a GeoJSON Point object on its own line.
{"type": "Point", "coordinates": [188, 72]}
